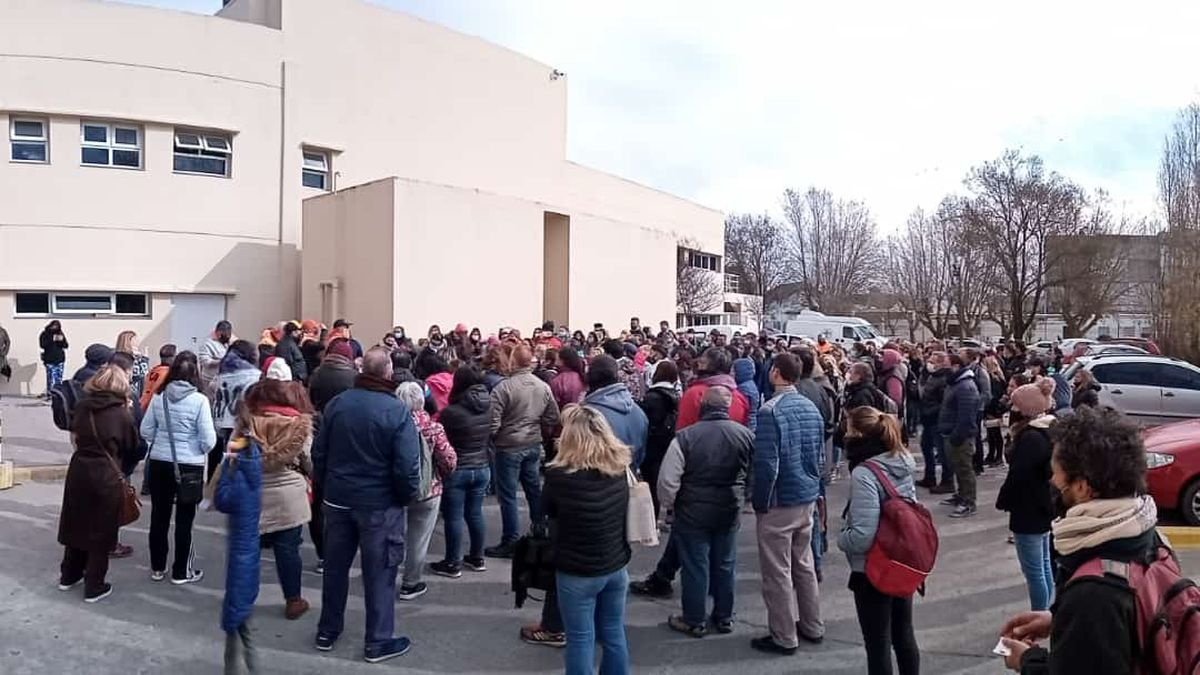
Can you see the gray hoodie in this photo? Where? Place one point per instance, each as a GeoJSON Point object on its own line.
{"type": "Point", "coordinates": [191, 425]}
{"type": "Point", "coordinates": [866, 497]}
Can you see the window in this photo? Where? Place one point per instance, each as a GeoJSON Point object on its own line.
{"type": "Point", "coordinates": [202, 152]}
{"type": "Point", "coordinates": [1137, 374]}
{"type": "Point", "coordinates": [316, 169]}
{"type": "Point", "coordinates": [104, 144]}
{"type": "Point", "coordinates": [731, 283]}
{"type": "Point", "coordinates": [106, 304]}
{"type": "Point", "coordinates": [30, 140]}
{"type": "Point", "coordinates": [705, 261]}
{"type": "Point", "coordinates": [1178, 377]}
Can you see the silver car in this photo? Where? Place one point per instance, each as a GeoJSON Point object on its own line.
{"type": "Point", "coordinates": [1151, 389]}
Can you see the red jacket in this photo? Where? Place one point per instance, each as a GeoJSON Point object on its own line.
{"type": "Point", "coordinates": [689, 405]}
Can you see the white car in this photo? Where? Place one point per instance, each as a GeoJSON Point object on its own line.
{"type": "Point", "coordinates": [1150, 389]}
{"type": "Point", "coordinates": [1113, 349]}
{"type": "Point", "coordinates": [1045, 347]}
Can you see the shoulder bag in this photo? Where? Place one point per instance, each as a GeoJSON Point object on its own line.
{"type": "Point", "coordinates": [189, 487]}
{"type": "Point", "coordinates": [641, 527]}
{"type": "Point", "coordinates": [131, 503]}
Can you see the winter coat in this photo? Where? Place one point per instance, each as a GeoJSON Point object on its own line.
{"type": "Point", "coordinates": [629, 375]}
{"type": "Point", "coordinates": [933, 390]}
{"type": "Point", "coordinates": [367, 454]}
{"type": "Point", "coordinates": [209, 357]}
{"type": "Point", "coordinates": [864, 393]}
{"type": "Point", "coordinates": [1026, 493]}
{"type": "Point", "coordinates": [866, 500]}
{"type": "Point", "coordinates": [743, 374]}
{"type": "Point", "coordinates": [661, 406]}
{"type": "Point", "coordinates": [703, 476]}
{"type": "Point", "coordinates": [689, 405]}
{"type": "Point", "coordinates": [997, 405]}
{"type": "Point", "coordinates": [289, 351]}
{"type": "Point", "coordinates": [468, 427]}
{"type": "Point", "coordinates": [94, 487]}
{"type": "Point", "coordinates": [568, 387]}
{"type": "Point", "coordinates": [191, 425]}
{"type": "Point", "coordinates": [154, 382]}
{"type": "Point", "coordinates": [439, 385]}
{"type": "Point", "coordinates": [983, 384]}
{"type": "Point", "coordinates": [627, 420]}
{"type": "Point", "coordinates": [1062, 392]}
{"type": "Point", "coordinates": [444, 458]}
{"type": "Point", "coordinates": [820, 397]}
{"type": "Point", "coordinates": [311, 349]}
{"type": "Point", "coordinates": [892, 374]}
{"type": "Point", "coordinates": [958, 421]}
{"type": "Point", "coordinates": [587, 511]}
{"type": "Point", "coordinates": [1088, 396]}
{"type": "Point", "coordinates": [239, 494]}
{"type": "Point", "coordinates": [789, 450]}
{"type": "Point", "coordinates": [492, 379]}
{"type": "Point", "coordinates": [285, 442]}
{"type": "Point", "coordinates": [521, 405]}
{"type": "Point", "coordinates": [53, 352]}
{"type": "Point", "coordinates": [335, 375]}
{"type": "Point", "coordinates": [233, 379]}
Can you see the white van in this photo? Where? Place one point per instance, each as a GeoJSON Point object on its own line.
{"type": "Point", "coordinates": [843, 330]}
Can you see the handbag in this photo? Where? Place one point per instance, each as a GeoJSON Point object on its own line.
{"type": "Point", "coordinates": [131, 503]}
{"type": "Point", "coordinates": [641, 527]}
{"type": "Point", "coordinates": [189, 487]}
{"type": "Point", "coordinates": [533, 565]}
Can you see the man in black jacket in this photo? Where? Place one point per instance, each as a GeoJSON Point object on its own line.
{"type": "Point", "coordinates": [1099, 466]}
{"type": "Point", "coordinates": [933, 389]}
{"type": "Point", "coordinates": [959, 423]}
{"type": "Point", "coordinates": [288, 349]}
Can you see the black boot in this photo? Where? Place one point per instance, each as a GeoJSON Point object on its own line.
{"type": "Point", "coordinates": [653, 587]}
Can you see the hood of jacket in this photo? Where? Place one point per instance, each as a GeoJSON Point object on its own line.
{"type": "Point", "coordinates": [232, 362]}
{"type": "Point", "coordinates": [720, 380]}
{"type": "Point", "coordinates": [898, 467]}
{"type": "Point", "coordinates": [743, 370]}
{"type": "Point", "coordinates": [889, 359]}
{"type": "Point", "coordinates": [281, 437]}
{"type": "Point", "coordinates": [476, 398]}
{"type": "Point", "coordinates": [966, 373]}
{"type": "Point", "coordinates": [178, 390]}
{"type": "Point", "coordinates": [338, 362]}
{"type": "Point", "coordinates": [615, 397]}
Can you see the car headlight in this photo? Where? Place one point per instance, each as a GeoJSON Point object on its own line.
{"type": "Point", "coordinates": [1155, 460]}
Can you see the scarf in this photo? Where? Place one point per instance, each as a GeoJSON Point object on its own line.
{"type": "Point", "coordinates": [1090, 524]}
{"type": "Point", "coordinates": [859, 450]}
{"type": "Point", "coordinates": [372, 383]}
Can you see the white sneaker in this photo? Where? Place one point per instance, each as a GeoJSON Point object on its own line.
{"type": "Point", "coordinates": [157, 576]}
{"type": "Point", "coordinates": [192, 577]}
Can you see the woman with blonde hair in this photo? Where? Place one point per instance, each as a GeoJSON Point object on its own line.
{"type": "Point", "coordinates": [885, 621]}
{"type": "Point", "coordinates": [128, 343]}
{"type": "Point", "coordinates": [586, 499]}
{"type": "Point", "coordinates": [1085, 392]}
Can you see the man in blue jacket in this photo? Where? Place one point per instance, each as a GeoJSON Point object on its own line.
{"type": "Point", "coordinates": [789, 449]}
{"type": "Point", "coordinates": [367, 458]}
{"type": "Point", "coordinates": [612, 398]}
{"type": "Point", "coordinates": [958, 423]}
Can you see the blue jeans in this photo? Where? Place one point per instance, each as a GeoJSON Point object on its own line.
{"type": "Point", "coordinates": [285, 544]}
{"type": "Point", "coordinates": [593, 610]}
{"type": "Point", "coordinates": [932, 452]}
{"type": "Point", "coordinates": [709, 561]}
{"type": "Point", "coordinates": [380, 535]}
{"type": "Point", "coordinates": [1033, 552]}
{"type": "Point", "coordinates": [54, 373]}
{"type": "Point", "coordinates": [513, 467]}
{"type": "Point", "coordinates": [462, 501]}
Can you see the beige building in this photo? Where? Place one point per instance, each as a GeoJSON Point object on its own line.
{"type": "Point", "coordinates": [311, 157]}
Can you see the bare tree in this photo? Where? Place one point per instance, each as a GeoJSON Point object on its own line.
{"type": "Point", "coordinates": [918, 273]}
{"type": "Point", "coordinates": [756, 251]}
{"type": "Point", "coordinates": [697, 290]}
{"type": "Point", "coordinates": [1179, 191]}
{"type": "Point", "coordinates": [833, 244]}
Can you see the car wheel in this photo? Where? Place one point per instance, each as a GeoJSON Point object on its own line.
{"type": "Point", "coordinates": [1189, 505]}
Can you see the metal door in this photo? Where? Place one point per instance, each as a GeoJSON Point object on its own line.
{"type": "Point", "coordinates": [193, 318]}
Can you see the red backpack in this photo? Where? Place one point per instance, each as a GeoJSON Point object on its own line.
{"type": "Point", "coordinates": [906, 543]}
{"type": "Point", "coordinates": [1168, 603]}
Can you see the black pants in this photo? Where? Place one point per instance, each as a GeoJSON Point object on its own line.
{"type": "Point", "coordinates": [91, 565]}
{"type": "Point", "coordinates": [886, 624]}
{"type": "Point", "coordinates": [978, 458]}
{"type": "Point", "coordinates": [162, 503]}
{"type": "Point", "coordinates": [316, 526]}
{"type": "Point", "coordinates": [995, 445]}
{"type": "Point", "coordinates": [551, 616]}
{"type": "Point", "coordinates": [217, 453]}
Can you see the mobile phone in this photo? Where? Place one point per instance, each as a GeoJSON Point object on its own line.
{"type": "Point", "coordinates": [1001, 649]}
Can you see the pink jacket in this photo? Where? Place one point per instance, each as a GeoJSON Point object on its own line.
{"type": "Point", "coordinates": [568, 387]}
{"type": "Point", "coordinates": [444, 458]}
{"type": "Point", "coordinates": [439, 385]}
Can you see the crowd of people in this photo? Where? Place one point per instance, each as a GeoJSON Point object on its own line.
{"type": "Point", "coordinates": [370, 446]}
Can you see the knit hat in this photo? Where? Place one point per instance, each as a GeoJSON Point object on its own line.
{"type": "Point", "coordinates": [341, 347]}
{"type": "Point", "coordinates": [1034, 400]}
{"type": "Point", "coordinates": [97, 354]}
{"type": "Point", "coordinates": [460, 328]}
{"type": "Point", "coordinates": [276, 368]}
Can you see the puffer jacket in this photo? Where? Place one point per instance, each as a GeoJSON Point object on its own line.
{"type": "Point", "coordinates": [627, 420]}
{"type": "Point", "coordinates": [866, 499]}
{"type": "Point", "coordinates": [521, 405]}
{"type": "Point", "coordinates": [743, 374]}
{"type": "Point", "coordinates": [789, 450]}
{"type": "Point", "coordinates": [289, 351]}
{"type": "Point", "coordinates": [933, 390]}
{"type": "Point", "coordinates": [467, 422]}
{"type": "Point", "coordinates": [957, 421]}
{"type": "Point", "coordinates": [238, 494]}
{"type": "Point", "coordinates": [233, 379]}
{"type": "Point", "coordinates": [335, 375]}
{"type": "Point", "coordinates": [191, 425]}
{"type": "Point", "coordinates": [703, 475]}
{"type": "Point", "coordinates": [444, 457]}
{"type": "Point", "coordinates": [285, 441]}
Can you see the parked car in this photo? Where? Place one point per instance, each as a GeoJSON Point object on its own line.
{"type": "Point", "coordinates": [1045, 347]}
{"type": "Point", "coordinates": [1074, 348]}
{"type": "Point", "coordinates": [1112, 348]}
{"type": "Point", "coordinates": [1149, 345]}
{"type": "Point", "coordinates": [1173, 460]}
{"type": "Point", "coordinates": [1153, 390]}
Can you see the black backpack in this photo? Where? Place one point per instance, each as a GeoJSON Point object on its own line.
{"type": "Point", "coordinates": [63, 399]}
{"type": "Point", "coordinates": [533, 565]}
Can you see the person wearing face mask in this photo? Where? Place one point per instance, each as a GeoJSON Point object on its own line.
{"type": "Point", "coordinates": [403, 343]}
{"type": "Point", "coordinates": [439, 344]}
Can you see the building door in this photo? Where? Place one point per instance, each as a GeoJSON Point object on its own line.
{"type": "Point", "coordinates": [556, 269]}
{"type": "Point", "coordinates": [193, 318]}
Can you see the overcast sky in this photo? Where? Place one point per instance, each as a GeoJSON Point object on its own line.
{"type": "Point", "coordinates": [728, 103]}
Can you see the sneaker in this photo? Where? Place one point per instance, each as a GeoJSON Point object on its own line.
{"type": "Point", "coordinates": [446, 568]}
{"type": "Point", "coordinates": [942, 489]}
{"type": "Point", "coordinates": [325, 642]}
{"type": "Point", "coordinates": [652, 587]}
{"type": "Point", "coordinates": [104, 593]}
{"type": "Point", "coordinates": [676, 623]}
{"type": "Point", "coordinates": [64, 586]}
{"type": "Point", "coordinates": [504, 549]}
{"type": "Point", "coordinates": [724, 627]}
{"type": "Point", "coordinates": [121, 551]}
{"type": "Point", "coordinates": [963, 511]}
{"type": "Point", "coordinates": [474, 564]}
{"type": "Point", "coordinates": [295, 608]}
{"type": "Point", "coordinates": [952, 500]}
{"type": "Point", "coordinates": [536, 635]}
{"type": "Point", "coordinates": [192, 577]}
{"type": "Point", "coordinates": [412, 592]}
{"type": "Point", "coordinates": [389, 650]}
{"type": "Point", "coordinates": [156, 575]}
{"type": "Point", "coordinates": [769, 645]}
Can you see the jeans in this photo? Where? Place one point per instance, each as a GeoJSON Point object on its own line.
{"type": "Point", "coordinates": [162, 501]}
{"type": "Point", "coordinates": [932, 452]}
{"type": "Point", "coordinates": [593, 610]}
{"type": "Point", "coordinates": [709, 557]}
{"type": "Point", "coordinates": [962, 456]}
{"type": "Point", "coordinates": [240, 650]}
{"type": "Point", "coordinates": [421, 519]}
{"type": "Point", "coordinates": [1033, 552]}
{"type": "Point", "coordinates": [887, 626]}
{"type": "Point", "coordinates": [513, 467]}
{"type": "Point", "coordinates": [92, 566]}
{"type": "Point", "coordinates": [462, 501]}
{"type": "Point", "coordinates": [380, 535]}
{"type": "Point", "coordinates": [54, 373]}
{"type": "Point", "coordinates": [285, 544]}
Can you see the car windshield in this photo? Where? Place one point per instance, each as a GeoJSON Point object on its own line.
{"type": "Point", "coordinates": [1069, 373]}
{"type": "Point", "coordinates": [864, 333]}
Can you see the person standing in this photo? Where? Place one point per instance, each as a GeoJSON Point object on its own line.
{"type": "Point", "coordinates": [586, 500]}
{"type": "Point", "coordinates": [179, 430]}
{"type": "Point", "coordinates": [103, 433]}
{"type": "Point", "coordinates": [54, 354]}
{"type": "Point", "coordinates": [993, 416]}
{"type": "Point", "coordinates": [886, 621]}
{"type": "Point", "coordinates": [212, 351]}
{"type": "Point", "coordinates": [933, 390]}
{"type": "Point", "coordinates": [569, 385]}
{"type": "Point", "coordinates": [238, 493]}
{"type": "Point", "coordinates": [788, 452]}
{"type": "Point", "coordinates": [1086, 392]}
{"type": "Point", "coordinates": [743, 374]}
{"type": "Point", "coordinates": [5, 344]}
{"type": "Point", "coordinates": [128, 343]}
{"type": "Point", "coordinates": [235, 375]}
{"type": "Point", "coordinates": [611, 398]}
{"type": "Point", "coordinates": [367, 457]}
{"type": "Point", "coordinates": [959, 424]}
{"type": "Point", "coordinates": [713, 368]}
{"type": "Point", "coordinates": [335, 375]}
{"type": "Point", "coordinates": [467, 422]}
{"type": "Point", "coordinates": [661, 406]}
{"type": "Point", "coordinates": [288, 349]}
{"type": "Point", "coordinates": [701, 482]}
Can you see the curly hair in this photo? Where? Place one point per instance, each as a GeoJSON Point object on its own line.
{"type": "Point", "coordinates": [1104, 448]}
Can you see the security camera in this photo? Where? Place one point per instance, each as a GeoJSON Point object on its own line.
{"type": "Point", "coordinates": [556, 73]}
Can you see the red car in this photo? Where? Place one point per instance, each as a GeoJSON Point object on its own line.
{"type": "Point", "coordinates": [1173, 460]}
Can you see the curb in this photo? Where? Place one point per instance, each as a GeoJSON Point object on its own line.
{"type": "Point", "coordinates": [48, 472]}
{"type": "Point", "coordinates": [1182, 538]}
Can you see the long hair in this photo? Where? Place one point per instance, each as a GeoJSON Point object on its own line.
{"type": "Point", "coordinates": [268, 392]}
{"type": "Point", "coordinates": [110, 378]}
{"type": "Point", "coordinates": [992, 365]}
{"type": "Point", "coordinates": [867, 422]}
{"type": "Point", "coordinates": [1085, 378]}
{"type": "Point", "coordinates": [464, 378]}
{"type": "Point", "coordinates": [125, 341]}
{"type": "Point", "coordinates": [184, 368]}
{"type": "Point", "coordinates": [588, 442]}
